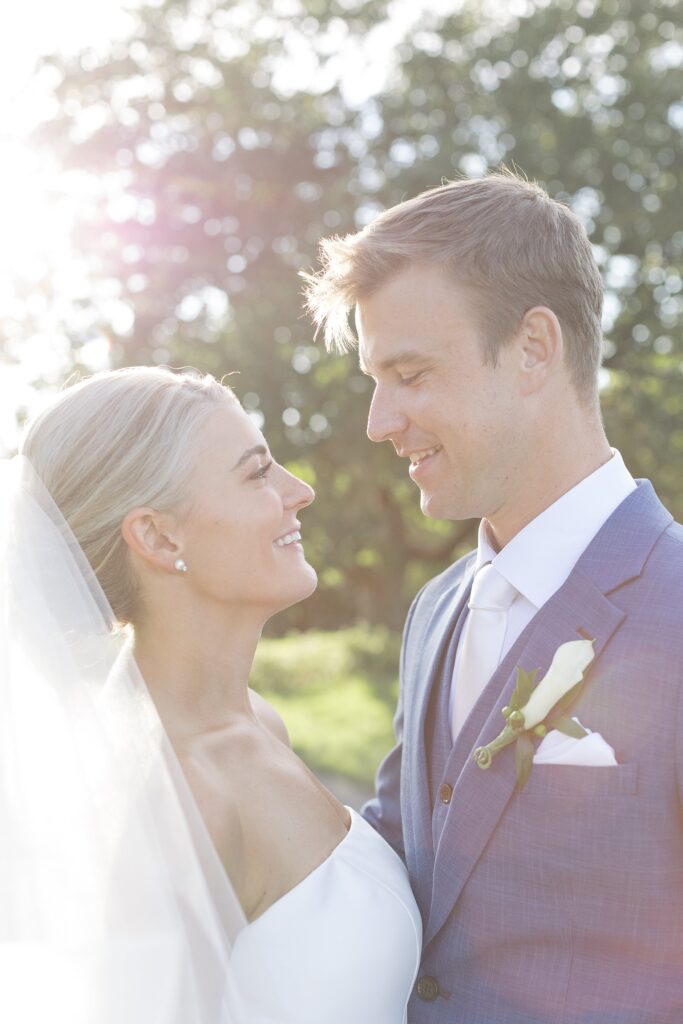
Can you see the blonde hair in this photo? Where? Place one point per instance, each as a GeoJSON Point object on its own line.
{"type": "Point", "coordinates": [502, 237]}
{"type": "Point", "coordinates": [113, 442]}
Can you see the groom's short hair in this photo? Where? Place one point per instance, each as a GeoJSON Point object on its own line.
{"type": "Point", "coordinates": [502, 237]}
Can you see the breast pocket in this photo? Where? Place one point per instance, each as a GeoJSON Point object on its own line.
{"type": "Point", "coordinates": [582, 781]}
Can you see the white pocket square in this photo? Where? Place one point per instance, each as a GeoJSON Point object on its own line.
{"type": "Point", "coordinates": [589, 751]}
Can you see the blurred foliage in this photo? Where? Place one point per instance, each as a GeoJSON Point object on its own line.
{"type": "Point", "coordinates": [212, 172]}
{"type": "Point", "coordinates": [336, 692]}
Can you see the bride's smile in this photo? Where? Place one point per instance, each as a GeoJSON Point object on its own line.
{"type": "Point", "coordinates": [237, 529]}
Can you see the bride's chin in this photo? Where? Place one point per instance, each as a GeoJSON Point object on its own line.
{"type": "Point", "coordinates": [307, 586]}
{"type": "Point", "coordinates": [294, 591]}
{"type": "Point", "coordinates": [311, 585]}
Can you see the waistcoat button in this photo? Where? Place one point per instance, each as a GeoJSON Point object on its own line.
{"type": "Point", "coordinates": [445, 793]}
{"type": "Point", "coordinates": [428, 989]}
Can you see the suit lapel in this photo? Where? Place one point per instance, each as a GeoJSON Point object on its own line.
{"type": "Point", "coordinates": [415, 782]}
{"type": "Point", "coordinates": [580, 608]}
{"type": "Point", "coordinates": [480, 797]}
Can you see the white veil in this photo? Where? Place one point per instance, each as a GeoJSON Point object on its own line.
{"type": "Point", "coordinates": [114, 906]}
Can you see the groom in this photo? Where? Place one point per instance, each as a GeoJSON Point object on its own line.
{"type": "Point", "coordinates": [478, 311]}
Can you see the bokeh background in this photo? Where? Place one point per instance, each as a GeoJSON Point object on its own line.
{"type": "Point", "coordinates": [167, 168]}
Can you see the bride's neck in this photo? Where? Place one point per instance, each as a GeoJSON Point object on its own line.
{"type": "Point", "coordinates": [197, 675]}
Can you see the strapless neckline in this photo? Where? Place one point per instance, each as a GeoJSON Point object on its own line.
{"type": "Point", "coordinates": [342, 945]}
{"type": "Point", "coordinates": [316, 870]}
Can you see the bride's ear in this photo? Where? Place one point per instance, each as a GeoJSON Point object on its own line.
{"type": "Point", "coordinates": [152, 536]}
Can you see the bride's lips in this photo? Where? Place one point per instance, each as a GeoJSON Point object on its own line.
{"type": "Point", "coordinates": [422, 466]}
{"type": "Point", "coordinates": [289, 541]}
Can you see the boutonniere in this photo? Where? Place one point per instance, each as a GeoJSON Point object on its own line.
{"type": "Point", "coordinates": [536, 708]}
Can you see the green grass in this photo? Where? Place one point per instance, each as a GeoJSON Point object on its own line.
{"type": "Point", "coordinates": [336, 692]}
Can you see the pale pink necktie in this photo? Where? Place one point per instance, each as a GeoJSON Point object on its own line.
{"type": "Point", "coordinates": [482, 640]}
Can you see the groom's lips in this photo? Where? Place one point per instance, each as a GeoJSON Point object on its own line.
{"type": "Point", "coordinates": [419, 469]}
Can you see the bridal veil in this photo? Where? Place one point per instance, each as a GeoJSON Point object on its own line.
{"type": "Point", "coordinates": [114, 906]}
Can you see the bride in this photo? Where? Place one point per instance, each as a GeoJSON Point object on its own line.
{"type": "Point", "coordinates": [165, 857]}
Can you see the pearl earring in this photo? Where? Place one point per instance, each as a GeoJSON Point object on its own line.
{"type": "Point", "coordinates": [179, 565]}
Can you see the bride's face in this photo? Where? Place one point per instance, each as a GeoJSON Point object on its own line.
{"type": "Point", "coordinates": [237, 540]}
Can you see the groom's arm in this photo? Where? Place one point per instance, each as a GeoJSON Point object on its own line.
{"type": "Point", "coordinates": [383, 812]}
{"type": "Point", "coordinates": [678, 749]}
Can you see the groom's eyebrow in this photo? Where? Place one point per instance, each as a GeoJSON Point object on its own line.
{"type": "Point", "coordinates": [258, 449]}
{"type": "Point", "coordinates": [408, 355]}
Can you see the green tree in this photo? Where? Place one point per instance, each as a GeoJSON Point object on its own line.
{"type": "Point", "coordinates": [212, 178]}
{"type": "Point", "coordinates": [586, 98]}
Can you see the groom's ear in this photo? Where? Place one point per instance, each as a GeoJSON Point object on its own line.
{"type": "Point", "coordinates": [540, 346]}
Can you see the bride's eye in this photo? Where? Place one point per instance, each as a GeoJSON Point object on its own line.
{"type": "Point", "coordinates": [262, 471]}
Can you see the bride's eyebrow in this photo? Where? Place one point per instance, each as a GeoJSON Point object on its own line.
{"type": "Point", "coordinates": [258, 449]}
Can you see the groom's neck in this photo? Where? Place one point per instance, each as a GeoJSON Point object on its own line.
{"type": "Point", "coordinates": [565, 451]}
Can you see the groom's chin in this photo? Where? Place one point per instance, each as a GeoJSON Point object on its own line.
{"type": "Point", "coordinates": [442, 506]}
{"type": "Point", "coordinates": [433, 506]}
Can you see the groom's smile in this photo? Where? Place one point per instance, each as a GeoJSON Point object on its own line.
{"type": "Point", "coordinates": [417, 457]}
{"type": "Point", "coordinates": [436, 398]}
{"type": "Point", "coordinates": [420, 460]}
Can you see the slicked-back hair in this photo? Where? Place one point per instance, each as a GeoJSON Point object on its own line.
{"type": "Point", "coordinates": [116, 441]}
{"type": "Point", "coordinates": [500, 236]}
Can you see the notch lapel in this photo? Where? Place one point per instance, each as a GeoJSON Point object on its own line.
{"type": "Point", "coordinates": [480, 797]}
{"type": "Point", "coordinates": [580, 607]}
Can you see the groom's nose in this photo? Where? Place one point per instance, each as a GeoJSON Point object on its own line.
{"type": "Point", "coordinates": [385, 419]}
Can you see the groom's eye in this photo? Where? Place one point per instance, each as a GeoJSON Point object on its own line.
{"type": "Point", "coordinates": [412, 379]}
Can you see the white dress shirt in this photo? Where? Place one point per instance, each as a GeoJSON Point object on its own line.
{"type": "Point", "coordinates": [538, 559]}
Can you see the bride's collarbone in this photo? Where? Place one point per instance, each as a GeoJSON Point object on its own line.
{"type": "Point", "coordinates": [290, 824]}
{"type": "Point", "coordinates": [284, 845]}
{"type": "Point", "coordinates": [271, 820]}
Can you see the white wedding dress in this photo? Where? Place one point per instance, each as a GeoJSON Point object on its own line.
{"type": "Point", "coordinates": [342, 947]}
{"type": "Point", "coordinates": [114, 905]}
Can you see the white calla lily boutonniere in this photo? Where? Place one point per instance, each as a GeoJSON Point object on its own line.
{"type": "Point", "coordinates": [536, 708]}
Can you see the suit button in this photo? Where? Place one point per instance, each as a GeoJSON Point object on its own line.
{"type": "Point", "coordinates": [445, 793]}
{"type": "Point", "coordinates": [428, 989]}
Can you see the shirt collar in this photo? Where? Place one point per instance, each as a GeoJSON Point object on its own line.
{"type": "Point", "coordinates": [538, 559]}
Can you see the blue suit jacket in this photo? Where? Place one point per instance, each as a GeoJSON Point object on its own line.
{"type": "Point", "coordinates": [562, 903]}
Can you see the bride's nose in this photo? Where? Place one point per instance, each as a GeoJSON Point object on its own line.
{"type": "Point", "coordinates": [298, 494]}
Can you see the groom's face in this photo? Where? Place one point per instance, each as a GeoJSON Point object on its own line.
{"type": "Point", "coordinates": [457, 419]}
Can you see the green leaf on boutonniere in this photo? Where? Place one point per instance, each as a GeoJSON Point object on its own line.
{"type": "Point", "coordinates": [524, 756]}
{"type": "Point", "coordinates": [568, 726]}
{"type": "Point", "coordinates": [533, 708]}
{"type": "Point", "coordinates": [525, 684]}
